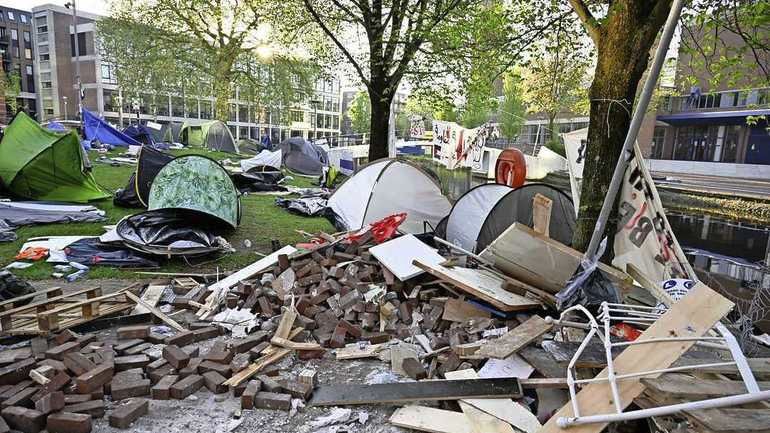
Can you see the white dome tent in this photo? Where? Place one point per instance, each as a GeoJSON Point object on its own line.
{"type": "Point", "coordinates": [387, 187]}
{"type": "Point", "coordinates": [486, 211]}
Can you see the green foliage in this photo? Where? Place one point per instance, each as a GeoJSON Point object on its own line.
{"type": "Point", "coordinates": [512, 111]}
{"type": "Point", "coordinates": [403, 125]}
{"type": "Point", "coordinates": [11, 88]}
{"type": "Point", "coordinates": [360, 113]}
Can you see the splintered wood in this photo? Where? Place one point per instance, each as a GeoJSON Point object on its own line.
{"type": "Point", "coordinates": [692, 316]}
{"type": "Point", "coordinates": [516, 339]}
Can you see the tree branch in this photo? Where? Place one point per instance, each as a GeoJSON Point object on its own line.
{"type": "Point", "coordinates": [590, 23]}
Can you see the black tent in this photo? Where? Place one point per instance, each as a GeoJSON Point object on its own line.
{"type": "Point", "coordinates": [137, 191]}
{"type": "Point", "coordinates": [303, 157]}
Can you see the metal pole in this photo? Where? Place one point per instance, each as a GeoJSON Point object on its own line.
{"type": "Point", "coordinates": [315, 120]}
{"type": "Point", "coordinates": [633, 130]}
{"type": "Point", "coordinates": [77, 58]}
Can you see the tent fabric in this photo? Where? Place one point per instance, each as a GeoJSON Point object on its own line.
{"type": "Point", "coordinates": [170, 232]}
{"type": "Point", "coordinates": [56, 126]}
{"type": "Point", "coordinates": [483, 213]}
{"type": "Point", "coordinates": [387, 187]}
{"type": "Point", "coordinates": [140, 133]}
{"type": "Point", "coordinates": [214, 135]}
{"type": "Point", "coordinates": [39, 164]}
{"type": "Point", "coordinates": [96, 129]}
{"type": "Point", "coordinates": [469, 213]}
{"type": "Point", "coordinates": [266, 157]}
{"type": "Point", "coordinates": [168, 133]}
{"type": "Point", "coordinates": [16, 214]}
{"type": "Point", "coordinates": [197, 183]}
{"type": "Point", "coordinates": [303, 157]}
{"type": "Point", "coordinates": [137, 190]}
{"type": "Point", "coordinates": [91, 251]}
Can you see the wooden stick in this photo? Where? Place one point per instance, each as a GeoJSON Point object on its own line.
{"type": "Point", "coordinates": [157, 313]}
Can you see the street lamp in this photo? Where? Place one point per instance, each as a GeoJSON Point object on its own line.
{"type": "Point", "coordinates": [64, 98]}
{"type": "Point", "coordinates": [315, 103]}
{"type": "Point", "coordinates": [68, 5]}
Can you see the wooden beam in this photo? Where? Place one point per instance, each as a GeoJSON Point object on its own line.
{"type": "Point", "coordinates": [692, 316]}
{"type": "Point", "coordinates": [431, 420]}
{"type": "Point", "coordinates": [515, 339]}
{"type": "Point", "coordinates": [157, 313]}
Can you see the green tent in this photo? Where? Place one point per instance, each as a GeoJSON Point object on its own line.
{"type": "Point", "coordinates": [40, 164]}
{"type": "Point", "coordinates": [214, 135]}
{"type": "Point", "coordinates": [196, 183]}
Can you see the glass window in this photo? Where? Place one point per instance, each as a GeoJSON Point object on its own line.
{"type": "Point", "coordinates": [11, 16]}
{"type": "Point", "coordinates": [730, 146]}
{"type": "Point", "coordinates": [243, 113]}
{"type": "Point", "coordinates": [25, 35]}
{"type": "Point", "coordinates": [28, 53]}
{"type": "Point", "coordinates": [30, 79]}
{"type": "Point", "coordinates": [177, 106]}
{"type": "Point", "coordinates": [696, 143]}
{"type": "Point", "coordinates": [658, 138]}
{"type": "Point", "coordinates": [243, 131]}
{"type": "Point", "coordinates": [14, 34]}
{"type": "Point", "coordinates": [43, 49]}
{"type": "Point", "coordinates": [205, 109]}
{"type": "Point", "coordinates": [82, 47]}
{"type": "Point", "coordinates": [297, 116]}
{"type": "Point", "coordinates": [42, 29]}
{"type": "Point", "coordinates": [23, 18]}
{"type": "Point", "coordinates": [41, 21]}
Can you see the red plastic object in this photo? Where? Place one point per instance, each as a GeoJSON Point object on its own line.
{"type": "Point", "coordinates": [382, 230]}
{"type": "Point", "coordinates": [33, 253]}
{"type": "Point", "coordinates": [625, 331]}
{"type": "Point", "coordinates": [511, 168]}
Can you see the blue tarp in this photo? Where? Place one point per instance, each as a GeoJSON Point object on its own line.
{"type": "Point", "coordinates": [140, 133]}
{"type": "Point", "coordinates": [56, 126]}
{"type": "Point", "coordinates": [97, 129]}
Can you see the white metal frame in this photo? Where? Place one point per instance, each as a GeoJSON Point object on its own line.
{"type": "Point", "coordinates": [644, 316]}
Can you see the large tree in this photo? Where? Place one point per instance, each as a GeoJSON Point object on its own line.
{"type": "Point", "coordinates": [512, 109]}
{"type": "Point", "coordinates": [394, 32]}
{"type": "Point", "coordinates": [623, 33]}
{"type": "Point", "coordinates": [360, 113]}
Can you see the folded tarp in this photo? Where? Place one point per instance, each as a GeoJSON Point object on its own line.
{"type": "Point", "coordinates": [97, 129]}
{"type": "Point", "coordinates": [91, 251]}
{"type": "Point", "coordinates": [17, 214]}
{"type": "Point", "coordinates": [266, 157]}
{"type": "Point", "coordinates": [308, 206]}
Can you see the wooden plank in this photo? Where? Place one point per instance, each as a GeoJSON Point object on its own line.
{"type": "Point", "coordinates": [682, 386]}
{"type": "Point", "coordinates": [456, 310]}
{"type": "Point", "coordinates": [543, 362]}
{"type": "Point", "coordinates": [151, 296]}
{"type": "Point", "coordinates": [537, 383]}
{"type": "Point", "coordinates": [293, 345]}
{"type": "Point", "coordinates": [504, 409]}
{"type": "Point", "coordinates": [692, 316]}
{"type": "Point", "coordinates": [8, 304]}
{"type": "Point", "coordinates": [401, 392]}
{"type": "Point", "coordinates": [354, 351]}
{"type": "Point", "coordinates": [539, 260]}
{"type": "Point", "coordinates": [480, 283]}
{"type": "Point", "coordinates": [482, 422]}
{"type": "Point", "coordinates": [730, 420]}
{"type": "Point", "coordinates": [284, 326]}
{"type": "Point", "coordinates": [541, 214]}
{"type": "Point", "coordinates": [48, 301]}
{"type": "Point", "coordinates": [157, 313]}
{"type": "Point", "coordinates": [270, 355]}
{"type": "Point", "coordinates": [431, 420]}
{"type": "Point", "coordinates": [515, 339]}
{"type": "Point", "coordinates": [219, 288]}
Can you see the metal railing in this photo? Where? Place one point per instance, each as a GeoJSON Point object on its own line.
{"type": "Point", "coordinates": [715, 101]}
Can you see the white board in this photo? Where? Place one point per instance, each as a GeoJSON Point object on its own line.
{"type": "Point", "coordinates": [397, 256]}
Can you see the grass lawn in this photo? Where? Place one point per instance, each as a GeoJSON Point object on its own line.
{"type": "Point", "coordinates": [262, 221]}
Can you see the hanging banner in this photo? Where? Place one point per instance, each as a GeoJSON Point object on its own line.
{"type": "Point", "coordinates": [456, 146]}
{"type": "Point", "coordinates": [644, 237]}
{"type": "Point", "coordinates": [575, 148]}
{"type": "Point", "coordinates": [416, 127]}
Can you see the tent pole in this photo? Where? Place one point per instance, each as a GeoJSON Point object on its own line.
{"type": "Point", "coordinates": [633, 130]}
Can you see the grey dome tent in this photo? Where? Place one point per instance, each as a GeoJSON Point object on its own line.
{"type": "Point", "coordinates": [387, 187]}
{"type": "Point", "coordinates": [483, 213]}
{"type": "Point", "coordinates": [214, 135]}
{"type": "Point", "coordinates": [168, 133]}
{"type": "Point", "coordinates": [303, 157]}
{"type": "Point", "coordinates": [192, 199]}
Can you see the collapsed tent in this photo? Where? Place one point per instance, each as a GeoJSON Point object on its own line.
{"type": "Point", "coordinates": [97, 130]}
{"type": "Point", "coordinates": [91, 251]}
{"type": "Point", "coordinates": [387, 187]}
{"type": "Point", "coordinates": [303, 157]}
{"type": "Point", "coordinates": [17, 214]}
{"type": "Point", "coordinates": [191, 200]}
{"type": "Point", "coordinates": [213, 135]}
{"type": "Point", "coordinates": [483, 213]}
{"type": "Point", "coordinates": [140, 133]}
{"type": "Point", "coordinates": [40, 164]}
{"type": "Point", "coordinates": [137, 191]}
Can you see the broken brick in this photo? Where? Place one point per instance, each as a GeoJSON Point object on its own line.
{"type": "Point", "coordinates": [214, 382]}
{"type": "Point", "coordinates": [124, 415]}
{"type": "Point", "coordinates": [162, 389]}
{"type": "Point", "coordinates": [51, 402]}
{"type": "Point", "coordinates": [138, 331]}
{"type": "Point", "coordinates": [176, 357]}
{"type": "Point", "coordinates": [68, 422]}
{"type": "Point", "coordinates": [95, 379]}
{"type": "Point", "coordinates": [270, 400]}
{"type": "Point", "coordinates": [59, 351]}
{"type": "Point", "coordinates": [23, 419]}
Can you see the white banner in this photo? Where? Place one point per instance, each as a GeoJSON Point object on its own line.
{"type": "Point", "coordinates": [575, 147]}
{"type": "Point", "coordinates": [456, 146]}
{"type": "Point", "coordinates": [644, 237]}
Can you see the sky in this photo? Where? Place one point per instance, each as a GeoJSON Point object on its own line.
{"type": "Point", "coordinates": [94, 6]}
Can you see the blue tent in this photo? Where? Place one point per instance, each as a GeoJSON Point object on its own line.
{"type": "Point", "coordinates": [97, 129]}
{"type": "Point", "coordinates": [140, 133]}
{"type": "Point", "coordinates": [55, 126]}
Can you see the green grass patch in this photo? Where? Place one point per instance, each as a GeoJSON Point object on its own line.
{"type": "Point", "coordinates": [262, 221]}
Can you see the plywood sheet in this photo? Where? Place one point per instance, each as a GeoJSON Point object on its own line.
{"type": "Point", "coordinates": [431, 420]}
{"type": "Point", "coordinates": [397, 256]}
{"type": "Point", "coordinates": [515, 339]}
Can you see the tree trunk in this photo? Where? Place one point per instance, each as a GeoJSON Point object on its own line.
{"type": "Point", "coordinates": [625, 41]}
{"type": "Point", "coordinates": [380, 118]}
{"type": "Point", "coordinates": [223, 90]}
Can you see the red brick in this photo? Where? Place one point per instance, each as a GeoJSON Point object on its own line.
{"type": "Point", "coordinates": [68, 422]}
{"type": "Point", "coordinates": [59, 351]}
{"type": "Point", "coordinates": [249, 394]}
{"type": "Point", "coordinates": [132, 361]}
{"type": "Point", "coordinates": [65, 336]}
{"type": "Point", "coordinates": [76, 398]}
{"type": "Point", "coordinates": [23, 419]}
{"type": "Point", "coordinates": [220, 352]}
{"type": "Point", "coordinates": [176, 357]}
{"type": "Point", "coordinates": [77, 363]}
{"type": "Point", "coordinates": [138, 349]}
{"type": "Point", "coordinates": [181, 338]}
{"type": "Point", "coordinates": [122, 389]}
{"type": "Point", "coordinates": [93, 408]}
{"type": "Point", "coordinates": [214, 382]}
{"type": "Point", "coordinates": [186, 387]}
{"type": "Point", "coordinates": [192, 368]}
{"type": "Point", "coordinates": [95, 379]}
{"type": "Point", "coordinates": [125, 345]}
{"type": "Point", "coordinates": [206, 333]}
{"type": "Point", "coordinates": [16, 372]}
{"type": "Point", "coordinates": [222, 369]}
{"type": "Point", "coordinates": [51, 402]}
{"type": "Point", "coordinates": [159, 373]}
{"type": "Point", "coordinates": [138, 331]}
{"type": "Point", "coordinates": [245, 344]}
{"type": "Point", "coordinates": [124, 415]}
{"type": "Point", "coordinates": [22, 398]}
{"type": "Point", "coordinates": [297, 389]}
{"type": "Point", "coordinates": [162, 389]}
{"type": "Point", "coordinates": [270, 400]}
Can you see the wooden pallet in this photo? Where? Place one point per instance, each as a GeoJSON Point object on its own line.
{"type": "Point", "coordinates": [58, 311]}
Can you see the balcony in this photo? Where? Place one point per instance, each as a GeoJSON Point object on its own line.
{"type": "Point", "coordinates": [729, 100]}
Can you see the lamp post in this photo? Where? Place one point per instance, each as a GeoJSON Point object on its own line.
{"type": "Point", "coordinates": [68, 5]}
{"type": "Point", "coordinates": [315, 103]}
{"type": "Point", "coordinates": [64, 98]}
